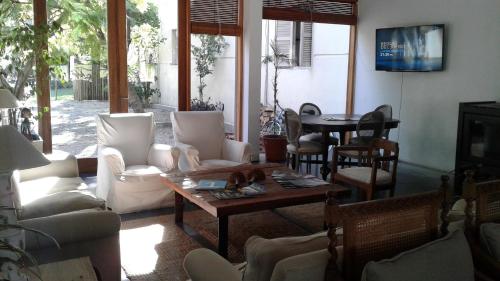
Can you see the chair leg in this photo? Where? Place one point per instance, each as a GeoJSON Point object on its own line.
{"type": "Point", "coordinates": [369, 194]}
{"type": "Point", "coordinates": [392, 191]}
{"type": "Point", "coordinates": [308, 164]}
{"type": "Point", "coordinates": [297, 162]}
{"type": "Point", "coordinates": [294, 161]}
{"type": "Point", "coordinates": [287, 159]}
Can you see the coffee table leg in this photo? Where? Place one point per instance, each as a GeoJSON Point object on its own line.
{"type": "Point", "coordinates": [179, 208]}
{"type": "Point", "coordinates": [324, 168]}
{"type": "Point", "coordinates": [223, 236]}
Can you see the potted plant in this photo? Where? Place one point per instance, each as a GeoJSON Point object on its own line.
{"type": "Point", "coordinates": [273, 137]}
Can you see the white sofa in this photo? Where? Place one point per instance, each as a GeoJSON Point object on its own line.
{"type": "Point", "coordinates": [130, 163]}
{"type": "Point", "coordinates": [200, 135]}
{"type": "Point", "coordinates": [52, 189]}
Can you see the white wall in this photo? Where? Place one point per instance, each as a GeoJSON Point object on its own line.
{"type": "Point", "coordinates": [324, 83]}
{"type": "Point", "coordinates": [429, 111]}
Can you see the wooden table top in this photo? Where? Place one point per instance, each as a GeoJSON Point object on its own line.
{"type": "Point", "coordinates": [348, 123]}
{"type": "Point", "coordinates": [276, 196]}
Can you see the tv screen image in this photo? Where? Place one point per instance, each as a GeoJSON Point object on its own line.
{"type": "Point", "coordinates": [413, 48]}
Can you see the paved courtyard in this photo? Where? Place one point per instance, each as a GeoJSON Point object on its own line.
{"type": "Point", "coordinates": [74, 126]}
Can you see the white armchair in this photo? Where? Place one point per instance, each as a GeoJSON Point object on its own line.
{"type": "Point", "coordinates": [200, 136]}
{"type": "Point", "coordinates": [130, 164]}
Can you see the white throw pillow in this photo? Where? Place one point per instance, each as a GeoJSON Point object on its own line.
{"type": "Point", "coordinates": [490, 239]}
{"type": "Point", "coordinates": [445, 259]}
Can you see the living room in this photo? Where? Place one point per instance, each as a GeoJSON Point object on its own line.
{"type": "Point", "coordinates": [172, 231]}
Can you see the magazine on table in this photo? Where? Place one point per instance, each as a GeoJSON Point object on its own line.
{"type": "Point", "coordinates": [211, 185]}
{"type": "Point", "coordinates": [252, 190]}
{"type": "Point", "coordinates": [294, 180]}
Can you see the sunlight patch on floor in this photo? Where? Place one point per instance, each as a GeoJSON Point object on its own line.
{"type": "Point", "coordinates": [138, 248]}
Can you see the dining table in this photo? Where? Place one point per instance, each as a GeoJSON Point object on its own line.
{"type": "Point", "coordinates": [330, 123]}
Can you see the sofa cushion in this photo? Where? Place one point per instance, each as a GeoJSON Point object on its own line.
{"type": "Point", "coordinates": [61, 202]}
{"type": "Point", "coordinates": [263, 254]}
{"type": "Point", "coordinates": [490, 239]}
{"type": "Point", "coordinates": [445, 259]}
{"type": "Point", "coordinates": [307, 266]}
{"type": "Point", "coordinates": [32, 190]}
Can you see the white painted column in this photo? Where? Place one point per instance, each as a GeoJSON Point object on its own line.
{"type": "Point", "coordinates": [252, 46]}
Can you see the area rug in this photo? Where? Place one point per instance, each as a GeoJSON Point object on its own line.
{"type": "Point", "coordinates": [153, 248]}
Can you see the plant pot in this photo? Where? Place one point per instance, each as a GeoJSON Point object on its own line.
{"type": "Point", "coordinates": [275, 148]}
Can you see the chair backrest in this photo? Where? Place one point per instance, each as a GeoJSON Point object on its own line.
{"type": "Point", "coordinates": [131, 133]}
{"type": "Point", "coordinates": [487, 198]}
{"type": "Point", "coordinates": [378, 229]}
{"type": "Point", "coordinates": [370, 126]}
{"type": "Point", "coordinates": [293, 126]}
{"type": "Point", "coordinates": [309, 109]}
{"type": "Point", "coordinates": [387, 111]}
{"type": "Point", "coordinates": [202, 129]}
{"type": "Point", "coordinates": [387, 149]}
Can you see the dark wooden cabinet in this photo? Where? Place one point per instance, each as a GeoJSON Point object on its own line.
{"type": "Point", "coordinates": [478, 141]}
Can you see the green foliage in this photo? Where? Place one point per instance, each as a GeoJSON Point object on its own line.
{"type": "Point", "coordinates": [145, 92]}
{"type": "Point", "coordinates": [205, 56]}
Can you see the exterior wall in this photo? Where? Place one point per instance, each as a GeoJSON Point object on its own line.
{"type": "Point", "coordinates": [324, 83]}
{"type": "Point", "coordinates": [429, 101]}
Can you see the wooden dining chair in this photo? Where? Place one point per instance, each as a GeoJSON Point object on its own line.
{"type": "Point", "coordinates": [386, 109]}
{"type": "Point", "coordinates": [378, 172]}
{"type": "Point", "coordinates": [312, 109]}
{"type": "Point", "coordinates": [298, 146]}
{"type": "Point", "coordinates": [370, 126]}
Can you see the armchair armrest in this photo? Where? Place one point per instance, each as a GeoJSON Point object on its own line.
{"type": "Point", "coordinates": [205, 265]}
{"type": "Point", "coordinates": [236, 151]}
{"type": "Point", "coordinates": [384, 159]}
{"type": "Point", "coordinates": [189, 159]}
{"type": "Point", "coordinates": [62, 165]}
{"type": "Point", "coordinates": [338, 149]}
{"type": "Point", "coordinates": [164, 157]}
{"type": "Point", "coordinates": [113, 159]}
{"type": "Point", "coordinates": [71, 227]}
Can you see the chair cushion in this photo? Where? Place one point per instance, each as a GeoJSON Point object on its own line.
{"type": "Point", "coordinates": [490, 239]}
{"type": "Point", "coordinates": [61, 202]}
{"type": "Point", "coordinates": [318, 137]}
{"type": "Point", "coordinates": [306, 147]}
{"type": "Point", "coordinates": [445, 259]}
{"type": "Point", "coordinates": [363, 174]}
{"type": "Point", "coordinates": [217, 163]}
{"type": "Point", "coordinates": [32, 190]}
{"type": "Point", "coordinates": [263, 254]}
{"type": "Point", "coordinates": [142, 170]}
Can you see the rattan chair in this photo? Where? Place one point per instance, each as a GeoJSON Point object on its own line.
{"type": "Point", "coordinates": [312, 109]}
{"type": "Point", "coordinates": [379, 229]}
{"type": "Point", "coordinates": [298, 146]}
{"type": "Point", "coordinates": [375, 173]}
{"type": "Point", "coordinates": [486, 196]}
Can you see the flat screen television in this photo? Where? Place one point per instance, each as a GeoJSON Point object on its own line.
{"type": "Point", "coordinates": [412, 48]}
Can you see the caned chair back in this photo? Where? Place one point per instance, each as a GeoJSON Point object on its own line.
{"type": "Point", "coordinates": [487, 198]}
{"type": "Point", "coordinates": [293, 126]}
{"type": "Point", "coordinates": [387, 111]}
{"type": "Point", "coordinates": [309, 109]}
{"type": "Point", "coordinates": [370, 126]}
{"type": "Point", "coordinates": [378, 229]}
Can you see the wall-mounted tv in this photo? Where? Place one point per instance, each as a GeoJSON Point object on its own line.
{"type": "Point", "coordinates": [413, 48]}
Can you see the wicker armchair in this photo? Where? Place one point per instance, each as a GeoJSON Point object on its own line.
{"type": "Point", "coordinates": [375, 173]}
{"type": "Point", "coordinates": [379, 229]}
{"type": "Point", "coordinates": [487, 209]}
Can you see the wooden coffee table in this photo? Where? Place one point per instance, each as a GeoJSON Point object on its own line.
{"type": "Point", "coordinates": [276, 196]}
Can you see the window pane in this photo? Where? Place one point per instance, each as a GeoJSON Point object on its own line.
{"type": "Point", "coordinates": [213, 76]}
{"type": "Point", "coordinates": [319, 55]}
{"type": "Point", "coordinates": [152, 63]}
